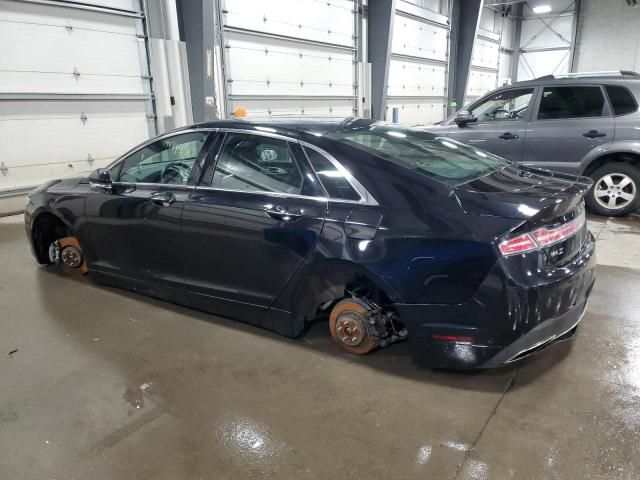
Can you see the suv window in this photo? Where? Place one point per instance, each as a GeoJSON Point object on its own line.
{"type": "Point", "coordinates": [507, 105]}
{"type": "Point", "coordinates": [334, 181]}
{"type": "Point", "coordinates": [571, 102]}
{"type": "Point", "coordinates": [622, 100]}
{"type": "Point", "coordinates": [256, 163]}
{"type": "Point", "coordinates": [167, 161]}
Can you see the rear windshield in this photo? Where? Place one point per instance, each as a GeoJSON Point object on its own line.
{"type": "Point", "coordinates": [439, 158]}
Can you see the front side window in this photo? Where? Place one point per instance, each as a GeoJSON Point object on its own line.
{"type": "Point", "coordinates": [439, 158]}
{"type": "Point", "coordinates": [622, 100]}
{"type": "Point", "coordinates": [571, 102]}
{"type": "Point", "coordinates": [256, 163]}
{"type": "Point", "coordinates": [333, 180]}
{"type": "Point", "coordinates": [507, 105]}
{"type": "Point", "coordinates": [167, 161]}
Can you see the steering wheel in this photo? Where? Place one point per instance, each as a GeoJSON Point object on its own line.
{"type": "Point", "coordinates": [500, 114]}
{"type": "Point", "coordinates": [175, 173]}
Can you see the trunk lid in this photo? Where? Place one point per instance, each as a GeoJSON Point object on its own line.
{"type": "Point", "coordinates": [522, 193]}
{"type": "Point", "coordinates": [540, 198]}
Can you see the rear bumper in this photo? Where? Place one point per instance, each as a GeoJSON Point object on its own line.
{"type": "Point", "coordinates": [505, 320]}
{"type": "Point", "coordinates": [544, 335]}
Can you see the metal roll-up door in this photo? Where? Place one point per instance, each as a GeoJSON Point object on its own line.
{"type": "Point", "coordinates": [417, 85]}
{"type": "Point", "coordinates": [289, 57]}
{"type": "Point", "coordinates": [74, 87]}
{"type": "Point", "coordinates": [483, 75]}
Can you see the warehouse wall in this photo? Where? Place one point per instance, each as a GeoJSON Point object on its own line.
{"type": "Point", "coordinates": [607, 36]}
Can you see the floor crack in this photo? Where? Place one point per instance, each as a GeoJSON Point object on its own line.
{"type": "Point", "coordinates": [484, 426]}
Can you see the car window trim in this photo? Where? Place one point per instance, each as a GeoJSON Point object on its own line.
{"type": "Point", "coordinates": [365, 197]}
{"type": "Point", "coordinates": [147, 184]}
{"type": "Point", "coordinates": [606, 113]}
{"type": "Point", "coordinates": [494, 122]}
{"type": "Point", "coordinates": [151, 141]}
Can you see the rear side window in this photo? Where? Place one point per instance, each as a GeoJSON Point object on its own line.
{"type": "Point", "coordinates": [571, 102]}
{"type": "Point", "coordinates": [622, 100]}
{"type": "Point", "coordinates": [333, 180]}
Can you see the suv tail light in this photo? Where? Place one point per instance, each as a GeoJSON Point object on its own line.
{"type": "Point", "coordinates": [542, 237]}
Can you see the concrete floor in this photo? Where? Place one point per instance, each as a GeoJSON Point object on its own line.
{"type": "Point", "coordinates": [110, 385]}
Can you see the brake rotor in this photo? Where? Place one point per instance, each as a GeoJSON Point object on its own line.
{"type": "Point", "coordinates": [348, 325]}
{"type": "Point", "coordinates": [71, 255]}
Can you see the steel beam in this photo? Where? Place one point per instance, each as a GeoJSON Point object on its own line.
{"type": "Point", "coordinates": [517, 38]}
{"type": "Point", "coordinates": [196, 18]}
{"type": "Point", "coordinates": [380, 33]}
{"type": "Point", "coordinates": [544, 49]}
{"type": "Point", "coordinates": [465, 19]}
{"type": "Point", "coordinates": [574, 35]}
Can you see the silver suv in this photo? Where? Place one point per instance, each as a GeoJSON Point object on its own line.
{"type": "Point", "coordinates": [584, 124]}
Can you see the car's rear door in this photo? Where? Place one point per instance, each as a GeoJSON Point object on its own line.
{"type": "Point", "coordinates": [569, 122]}
{"type": "Point", "coordinates": [501, 123]}
{"type": "Point", "coordinates": [134, 228]}
{"type": "Point", "coordinates": [250, 223]}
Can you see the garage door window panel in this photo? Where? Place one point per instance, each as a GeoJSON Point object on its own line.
{"type": "Point", "coordinates": [571, 102]}
{"type": "Point", "coordinates": [511, 105]}
{"type": "Point", "coordinates": [254, 163]}
{"type": "Point", "coordinates": [168, 161]}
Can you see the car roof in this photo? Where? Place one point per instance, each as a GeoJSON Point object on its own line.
{"type": "Point", "coordinates": [586, 80]}
{"type": "Point", "coordinates": [290, 125]}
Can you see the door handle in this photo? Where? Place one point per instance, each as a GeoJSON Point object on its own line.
{"type": "Point", "coordinates": [508, 136]}
{"type": "Point", "coordinates": [163, 198]}
{"type": "Point", "coordinates": [282, 213]}
{"type": "Point", "coordinates": [594, 134]}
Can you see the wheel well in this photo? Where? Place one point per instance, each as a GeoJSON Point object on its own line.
{"type": "Point", "coordinates": [621, 157]}
{"type": "Point", "coordinates": [47, 228]}
{"type": "Point", "coordinates": [327, 284]}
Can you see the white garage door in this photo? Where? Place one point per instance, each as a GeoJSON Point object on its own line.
{"type": "Point", "coordinates": [289, 57]}
{"type": "Point", "coordinates": [74, 88]}
{"type": "Point", "coordinates": [416, 93]}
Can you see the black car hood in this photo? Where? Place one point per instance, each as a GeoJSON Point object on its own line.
{"type": "Point", "coordinates": [522, 193]}
{"type": "Point", "coordinates": [68, 182]}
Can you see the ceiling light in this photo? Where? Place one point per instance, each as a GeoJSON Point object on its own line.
{"type": "Point", "coordinates": [542, 9]}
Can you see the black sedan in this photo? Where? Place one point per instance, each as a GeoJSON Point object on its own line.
{"type": "Point", "coordinates": [391, 233]}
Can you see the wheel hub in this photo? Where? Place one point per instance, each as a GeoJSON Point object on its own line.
{"type": "Point", "coordinates": [615, 191]}
{"type": "Point", "coordinates": [71, 257]}
{"type": "Point", "coordinates": [351, 328]}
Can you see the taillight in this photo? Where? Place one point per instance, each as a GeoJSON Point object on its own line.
{"type": "Point", "coordinates": [519, 244]}
{"type": "Point", "coordinates": [542, 237]}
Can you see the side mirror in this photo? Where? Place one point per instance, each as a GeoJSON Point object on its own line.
{"type": "Point", "coordinates": [101, 178]}
{"type": "Point", "coordinates": [464, 117]}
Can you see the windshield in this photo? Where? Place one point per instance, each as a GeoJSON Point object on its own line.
{"type": "Point", "coordinates": [440, 158]}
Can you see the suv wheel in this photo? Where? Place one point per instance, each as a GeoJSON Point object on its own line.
{"type": "Point", "coordinates": [615, 190]}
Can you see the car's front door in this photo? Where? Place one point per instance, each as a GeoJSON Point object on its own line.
{"type": "Point", "coordinates": [569, 122]}
{"type": "Point", "coordinates": [501, 123]}
{"type": "Point", "coordinates": [250, 224]}
{"type": "Point", "coordinates": [135, 228]}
